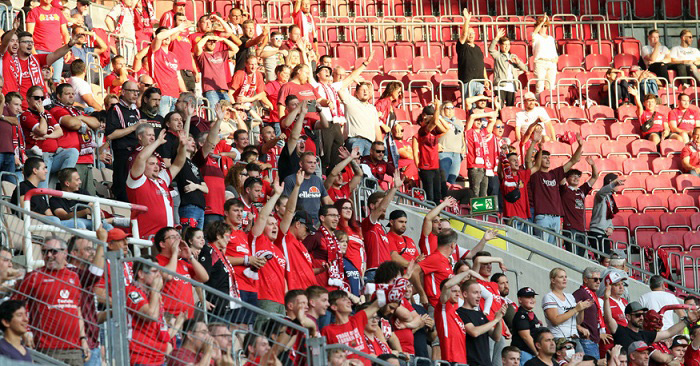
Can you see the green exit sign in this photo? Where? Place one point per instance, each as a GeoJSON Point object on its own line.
{"type": "Point", "coordinates": [481, 205]}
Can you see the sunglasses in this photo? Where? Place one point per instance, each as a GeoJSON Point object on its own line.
{"type": "Point", "coordinates": [449, 107]}
{"type": "Point", "coordinates": [500, 126]}
{"type": "Point", "coordinates": [380, 151]}
{"type": "Point", "coordinates": [37, 97]}
{"type": "Point", "coordinates": [596, 279]}
{"type": "Point", "coordinates": [52, 251]}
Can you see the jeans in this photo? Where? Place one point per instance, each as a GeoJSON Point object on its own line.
{"type": "Point", "coordinates": [550, 222]}
{"type": "Point", "coordinates": [263, 323]}
{"type": "Point", "coordinates": [67, 223]}
{"type": "Point", "coordinates": [432, 181]}
{"type": "Point", "coordinates": [474, 88]}
{"type": "Point", "coordinates": [450, 163]}
{"type": "Point", "coordinates": [7, 164]}
{"type": "Point", "coordinates": [362, 143]}
{"type": "Point", "coordinates": [192, 212]}
{"type": "Point", "coordinates": [88, 224]}
{"type": "Point", "coordinates": [590, 348]}
{"type": "Point", "coordinates": [494, 189]}
{"type": "Point", "coordinates": [524, 357]}
{"type": "Point", "coordinates": [353, 276]}
{"type": "Point", "coordinates": [167, 105]}
{"type": "Point", "coordinates": [214, 96]}
{"type": "Point", "coordinates": [57, 67]}
{"type": "Point", "coordinates": [95, 357]}
{"type": "Point", "coordinates": [62, 158]}
{"type": "Point", "coordinates": [519, 225]}
{"type": "Point", "coordinates": [478, 182]}
{"type": "Point", "coordinates": [243, 315]}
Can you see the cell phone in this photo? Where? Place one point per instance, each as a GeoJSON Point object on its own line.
{"type": "Point", "coordinates": [312, 106]}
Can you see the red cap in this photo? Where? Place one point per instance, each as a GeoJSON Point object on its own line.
{"type": "Point", "coordinates": [116, 234]}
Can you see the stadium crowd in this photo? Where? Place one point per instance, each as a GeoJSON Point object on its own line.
{"type": "Point", "coordinates": [247, 146]}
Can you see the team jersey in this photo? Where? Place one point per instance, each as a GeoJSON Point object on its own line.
{"type": "Point", "coordinates": [450, 329]}
{"type": "Point", "coordinates": [148, 340]}
{"type": "Point", "coordinates": [351, 334]}
{"type": "Point", "coordinates": [436, 268]}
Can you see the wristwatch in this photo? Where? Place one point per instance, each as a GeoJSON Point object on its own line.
{"type": "Point", "coordinates": [686, 321]}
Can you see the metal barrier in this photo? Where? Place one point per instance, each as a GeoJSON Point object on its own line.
{"type": "Point", "coordinates": [96, 219]}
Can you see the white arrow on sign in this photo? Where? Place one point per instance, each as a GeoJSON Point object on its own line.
{"type": "Point", "coordinates": [477, 205]}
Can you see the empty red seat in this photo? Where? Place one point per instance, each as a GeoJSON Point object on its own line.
{"type": "Point", "coordinates": [695, 221]}
{"type": "Point", "coordinates": [669, 240]}
{"type": "Point", "coordinates": [656, 182]}
{"type": "Point", "coordinates": [625, 112]}
{"type": "Point", "coordinates": [687, 181]}
{"type": "Point", "coordinates": [666, 165]}
{"type": "Point", "coordinates": [508, 113]}
{"type": "Point", "coordinates": [647, 202]}
{"type": "Point", "coordinates": [671, 146]}
{"type": "Point", "coordinates": [671, 221]}
{"type": "Point", "coordinates": [572, 113]}
{"type": "Point", "coordinates": [624, 131]}
{"type": "Point", "coordinates": [636, 166]}
{"type": "Point", "coordinates": [395, 65]}
{"type": "Point", "coordinates": [624, 60]}
{"type": "Point", "coordinates": [642, 147]}
{"type": "Point", "coordinates": [643, 227]}
{"type": "Point", "coordinates": [615, 147]}
{"type": "Point", "coordinates": [424, 64]}
{"type": "Point", "coordinates": [569, 62]}
{"type": "Point", "coordinates": [608, 166]}
{"type": "Point", "coordinates": [596, 61]}
{"type": "Point", "coordinates": [591, 131]}
{"type": "Point", "coordinates": [691, 240]}
{"type": "Point", "coordinates": [681, 202]}
{"type": "Point", "coordinates": [558, 148]}
{"type": "Point", "coordinates": [601, 112]}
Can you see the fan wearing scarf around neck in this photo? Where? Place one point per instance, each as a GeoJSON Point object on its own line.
{"type": "Point", "coordinates": [604, 208]}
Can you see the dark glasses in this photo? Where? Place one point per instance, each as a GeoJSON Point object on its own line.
{"type": "Point", "coordinates": [37, 97]}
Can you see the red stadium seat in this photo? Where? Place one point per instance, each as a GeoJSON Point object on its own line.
{"type": "Point", "coordinates": [695, 221]}
{"type": "Point", "coordinates": [592, 148]}
{"type": "Point", "coordinates": [643, 227]}
{"type": "Point", "coordinates": [626, 112]}
{"type": "Point", "coordinates": [508, 113]}
{"type": "Point", "coordinates": [608, 166]}
{"type": "Point", "coordinates": [395, 65]}
{"type": "Point", "coordinates": [687, 181]}
{"type": "Point", "coordinates": [648, 202]}
{"type": "Point", "coordinates": [624, 131]}
{"type": "Point", "coordinates": [636, 166]}
{"type": "Point", "coordinates": [655, 183]}
{"type": "Point", "coordinates": [624, 60]}
{"type": "Point", "coordinates": [594, 131]}
{"type": "Point", "coordinates": [691, 240]}
{"type": "Point", "coordinates": [670, 147]}
{"type": "Point", "coordinates": [644, 9]}
{"type": "Point", "coordinates": [670, 221]}
{"type": "Point", "coordinates": [569, 62]}
{"type": "Point", "coordinates": [404, 50]}
{"type": "Point", "coordinates": [666, 166]}
{"type": "Point", "coordinates": [594, 61]}
{"type": "Point", "coordinates": [614, 147]}
{"type": "Point", "coordinates": [558, 148]}
{"type": "Point", "coordinates": [625, 204]}
{"type": "Point", "coordinates": [681, 202]}
{"type": "Point", "coordinates": [424, 65]}
{"type": "Point", "coordinates": [643, 147]}
{"type": "Point", "coordinates": [601, 113]}
{"type": "Point", "coordinates": [571, 113]}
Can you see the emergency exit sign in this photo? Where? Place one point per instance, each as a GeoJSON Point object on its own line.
{"type": "Point", "coordinates": [482, 205]}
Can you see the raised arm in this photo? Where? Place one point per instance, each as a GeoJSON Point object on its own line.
{"type": "Point", "coordinates": [434, 213]}
{"type": "Point", "coordinates": [539, 25]}
{"type": "Point", "coordinates": [158, 39]}
{"type": "Point", "coordinates": [489, 235]}
{"type": "Point", "coordinates": [356, 73]}
{"type": "Point", "coordinates": [139, 164]}
{"type": "Point", "coordinates": [61, 51]}
{"type": "Point", "coordinates": [294, 135]}
{"type": "Point", "coordinates": [348, 158]}
{"type": "Point", "coordinates": [465, 27]}
{"type": "Point", "coordinates": [265, 212]}
{"type": "Point", "coordinates": [213, 135]}
{"type": "Point", "coordinates": [181, 156]}
{"type": "Point", "coordinates": [199, 47]}
{"type": "Point", "coordinates": [594, 171]}
{"type": "Point", "coordinates": [635, 93]}
{"type": "Point", "coordinates": [577, 154]}
{"type": "Point", "coordinates": [445, 289]}
{"type": "Point", "coordinates": [555, 318]}
{"type": "Point", "coordinates": [493, 49]}
{"type": "Point", "coordinates": [292, 203]}
{"type": "Point", "coordinates": [381, 209]}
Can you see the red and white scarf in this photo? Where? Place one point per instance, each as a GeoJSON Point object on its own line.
{"type": "Point", "coordinates": [308, 26]}
{"type": "Point", "coordinates": [249, 86]}
{"type": "Point", "coordinates": [123, 11]}
{"type": "Point", "coordinates": [336, 270]}
{"type": "Point", "coordinates": [338, 109]}
{"type": "Point", "coordinates": [87, 145]}
{"type": "Point", "coordinates": [232, 284]}
{"type": "Point", "coordinates": [601, 320]}
{"type": "Point", "coordinates": [383, 347]}
{"type": "Point", "coordinates": [34, 71]}
{"type": "Point", "coordinates": [149, 12]}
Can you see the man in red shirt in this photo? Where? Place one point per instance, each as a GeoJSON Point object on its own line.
{"type": "Point", "coordinates": [376, 242]}
{"type": "Point", "coordinates": [323, 247]}
{"type": "Point", "coordinates": [53, 294]}
{"type": "Point", "coordinates": [305, 21]}
{"type": "Point", "coordinates": [251, 197]}
{"type": "Point", "coordinates": [380, 168]}
{"type": "Point", "coordinates": [690, 155]}
{"type": "Point", "coordinates": [248, 84]}
{"type": "Point", "coordinates": [120, 75]}
{"type": "Point", "coordinates": [163, 67]}
{"type": "Point", "coordinates": [272, 90]}
{"type": "Point", "coordinates": [197, 345]}
{"type": "Point", "coordinates": [350, 329]}
{"type": "Point", "coordinates": [210, 63]}
{"type": "Point", "coordinates": [437, 267]}
{"type": "Point", "coordinates": [514, 186]}
{"type": "Point", "coordinates": [181, 45]}
{"type": "Point", "coordinates": [647, 112]}
{"type": "Point", "coordinates": [49, 27]}
{"type": "Point", "coordinates": [294, 228]}
{"type": "Point", "coordinates": [212, 172]}
{"type": "Point", "coordinates": [77, 133]}
{"type": "Point", "coordinates": [176, 256]}
{"type": "Point", "coordinates": [692, 353]}
{"type": "Point", "coordinates": [449, 325]}
{"type": "Point", "coordinates": [148, 184]}
{"type": "Point", "coordinates": [403, 249]}
{"type": "Point", "coordinates": [167, 20]}
{"type": "Point", "coordinates": [9, 49]}
{"type": "Point", "coordinates": [149, 331]}
{"type": "Point", "coordinates": [335, 185]}
{"type": "Point", "coordinates": [25, 69]}
{"type": "Point", "coordinates": [683, 119]}
{"type": "Point", "coordinates": [42, 133]}
{"type": "Point", "coordinates": [573, 197]}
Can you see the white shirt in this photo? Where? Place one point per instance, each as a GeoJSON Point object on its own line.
{"type": "Point", "coordinates": [685, 53]}
{"type": "Point", "coordinates": [362, 118]}
{"type": "Point", "coordinates": [567, 329]}
{"type": "Point", "coordinates": [648, 50]}
{"type": "Point", "coordinates": [127, 29]}
{"type": "Point", "coordinates": [544, 47]}
{"type": "Point", "coordinates": [81, 87]}
{"type": "Point", "coordinates": [271, 63]}
{"type": "Point", "coordinates": [655, 300]}
{"type": "Point", "coordinates": [524, 119]}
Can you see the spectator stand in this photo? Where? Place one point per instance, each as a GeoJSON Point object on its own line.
{"type": "Point", "coordinates": [97, 202]}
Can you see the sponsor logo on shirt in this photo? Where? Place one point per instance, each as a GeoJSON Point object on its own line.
{"type": "Point", "coordinates": [49, 17]}
{"type": "Point", "coordinates": [313, 192]}
{"type": "Point", "coordinates": [135, 297]}
{"type": "Point", "coordinates": [64, 293]}
{"type": "Point", "coordinates": [549, 183]}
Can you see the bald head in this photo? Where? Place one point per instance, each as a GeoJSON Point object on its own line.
{"type": "Point", "coordinates": [128, 93]}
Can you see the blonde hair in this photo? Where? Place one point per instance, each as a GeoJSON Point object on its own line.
{"type": "Point", "coordinates": [553, 274]}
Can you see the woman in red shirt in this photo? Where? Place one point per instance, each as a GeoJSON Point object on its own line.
{"type": "Point", "coordinates": [659, 129]}
{"type": "Point", "coordinates": [426, 155]}
{"type": "Point", "coordinates": [390, 99]}
{"type": "Point", "coordinates": [355, 256]}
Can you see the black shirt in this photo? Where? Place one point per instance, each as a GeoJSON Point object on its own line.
{"type": "Point", "coordinates": [537, 362]}
{"type": "Point", "coordinates": [68, 205]}
{"type": "Point", "coordinates": [523, 320]}
{"type": "Point", "coordinates": [157, 121]}
{"type": "Point", "coordinates": [169, 149]}
{"type": "Point", "coordinates": [190, 172]}
{"type": "Point", "coordinates": [131, 117]}
{"type": "Point", "coordinates": [625, 336]}
{"type": "Point", "coordinates": [218, 279]}
{"type": "Point", "coordinates": [420, 337]}
{"type": "Point", "coordinates": [477, 348]}
{"type": "Point", "coordinates": [242, 53]}
{"type": "Point", "coordinates": [38, 203]}
{"type": "Point", "coordinates": [470, 62]}
{"type": "Point", "coordinates": [287, 164]}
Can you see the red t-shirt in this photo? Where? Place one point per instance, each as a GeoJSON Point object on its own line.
{"type": "Point", "coordinates": [306, 24]}
{"type": "Point", "coordinates": [339, 193]}
{"type": "Point", "coordinates": [300, 271]}
{"type": "Point", "coordinates": [693, 152]}
{"type": "Point", "coordinates": [272, 90]}
{"type": "Point", "coordinates": [53, 307]}
{"type": "Point", "coordinates": [521, 207]}
{"type": "Point", "coordinates": [271, 277]}
{"type": "Point", "coordinates": [545, 191]}
{"type": "Point", "coordinates": [163, 66]}
{"type": "Point", "coordinates": [356, 247]}
{"type": "Point", "coordinates": [573, 205]}
{"type": "Point", "coordinates": [47, 28]}
{"type": "Point", "coordinates": [10, 81]}
{"type": "Point", "coordinates": [247, 85]}
{"type": "Point", "coordinates": [376, 243]}
{"type": "Point", "coordinates": [213, 176]}
{"type": "Point", "coordinates": [405, 335]}
{"type": "Point", "coordinates": [450, 329]}
{"type": "Point", "coordinates": [491, 287]}
{"type": "Point", "coordinates": [154, 194]}
{"type": "Point", "coordinates": [436, 268]}
{"type": "Point", "coordinates": [177, 294]}
{"type": "Point", "coordinates": [659, 122]}
{"type": "Point", "coordinates": [351, 334]}
{"type": "Point", "coordinates": [211, 66]}
{"type": "Point", "coordinates": [167, 20]}
{"type": "Point", "coordinates": [72, 139]}
{"type": "Point", "coordinates": [29, 120]}
{"type": "Point", "coordinates": [181, 46]}
{"type": "Point", "coordinates": [379, 168]}
{"type": "Point", "coordinates": [428, 149]}
{"type": "Point", "coordinates": [427, 245]}
{"type": "Point", "coordinates": [685, 120]}
{"type": "Point", "coordinates": [25, 80]}
{"type": "Point", "coordinates": [403, 245]}
{"type": "Point", "coordinates": [475, 149]}
{"type": "Point", "coordinates": [302, 91]}
{"type": "Point", "coordinates": [238, 246]}
{"type": "Point", "coordinates": [692, 356]}
{"type": "Point", "coordinates": [148, 339]}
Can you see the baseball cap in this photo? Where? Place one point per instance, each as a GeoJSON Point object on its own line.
{"type": "Point", "coordinates": [615, 277]}
{"type": "Point", "coordinates": [639, 346]}
{"type": "Point", "coordinates": [530, 95]}
{"type": "Point", "coordinates": [561, 342]}
{"type": "Point", "coordinates": [617, 253]}
{"type": "Point", "coordinates": [116, 234]}
{"type": "Point", "coordinates": [680, 340]}
{"type": "Point", "coordinates": [634, 307]}
{"type": "Point", "coordinates": [304, 218]}
{"type": "Point", "coordinates": [526, 292]}
{"type": "Point", "coordinates": [84, 2]}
